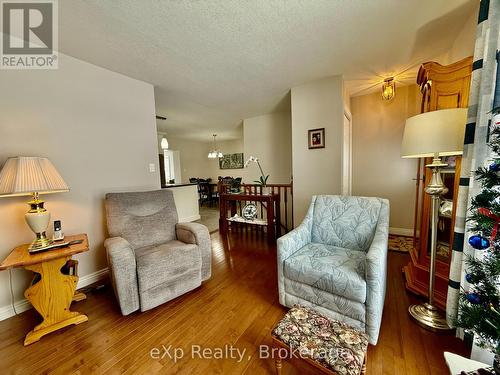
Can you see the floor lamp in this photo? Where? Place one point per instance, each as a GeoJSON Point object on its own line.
{"type": "Point", "coordinates": [433, 134]}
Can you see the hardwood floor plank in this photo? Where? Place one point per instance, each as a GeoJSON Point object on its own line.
{"type": "Point", "coordinates": [238, 306]}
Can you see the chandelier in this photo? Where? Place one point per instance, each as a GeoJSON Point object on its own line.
{"type": "Point", "coordinates": [215, 153]}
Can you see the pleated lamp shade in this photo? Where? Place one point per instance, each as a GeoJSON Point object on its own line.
{"type": "Point", "coordinates": [27, 175]}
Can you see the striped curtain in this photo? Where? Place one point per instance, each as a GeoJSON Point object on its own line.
{"type": "Point", "coordinates": [485, 80]}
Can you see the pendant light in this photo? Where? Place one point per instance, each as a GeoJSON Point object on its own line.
{"type": "Point", "coordinates": [215, 153]}
{"type": "Point", "coordinates": [164, 143]}
{"type": "Point", "coordinates": [388, 88]}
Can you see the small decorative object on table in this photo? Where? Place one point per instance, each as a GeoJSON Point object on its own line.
{"type": "Point", "coordinates": [316, 138]}
{"type": "Point", "coordinates": [481, 371]}
{"type": "Point", "coordinates": [265, 190]}
{"type": "Point", "coordinates": [331, 346]}
{"type": "Point", "coordinates": [446, 208]}
{"type": "Point", "coordinates": [249, 211]}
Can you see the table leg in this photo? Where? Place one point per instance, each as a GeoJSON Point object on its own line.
{"type": "Point", "coordinates": [278, 364]}
{"type": "Point", "coordinates": [278, 218]}
{"type": "Point", "coordinates": [222, 215]}
{"type": "Point", "coordinates": [51, 296]}
{"type": "Point", "coordinates": [79, 296]}
{"type": "Point", "coordinates": [271, 234]}
{"type": "Point", "coordinates": [232, 204]}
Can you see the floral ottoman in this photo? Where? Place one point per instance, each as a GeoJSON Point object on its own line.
{"type": "Point", "coordinates": [329, 345]}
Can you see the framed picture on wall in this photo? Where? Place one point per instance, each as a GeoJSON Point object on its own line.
{"type": "Point", "coordinates": [231, 161]}
{"type": "Point", "coordinates": [316, 138]}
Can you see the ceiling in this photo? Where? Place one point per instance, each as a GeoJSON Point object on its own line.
{"type": "Point", "coordinates": [216, 62]}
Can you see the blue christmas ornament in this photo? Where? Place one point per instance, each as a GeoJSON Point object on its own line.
{"type": "Point", "coordinates": [470, 278]}
{"type": "Point", "coordinates": [494, 167]}
{"type": "Point", "coordinates": [473, 298]}
{"type": "Point", "coordinates": [478, 242]}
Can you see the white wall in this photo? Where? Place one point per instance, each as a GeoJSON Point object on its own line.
{"type": "Point", "coordinates": [269, 138]}
{"type": "Point", "coordinates": [234, 146]}
{"type": "Point", "coordinates": [97, 127]}
{"type": "Point", "coordinates": [193, 157]}
{"type": "Point", "coordinates": [318, 104]}
{"type": "Point", "coordinates": [463, 46]}
{"type": "Point", "coordinates": [186, 202]}
{"type": "Point", "coordinates": [378, 169]}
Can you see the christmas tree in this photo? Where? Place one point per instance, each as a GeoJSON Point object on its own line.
{"type": "Point", "coordinates": [479, 311]}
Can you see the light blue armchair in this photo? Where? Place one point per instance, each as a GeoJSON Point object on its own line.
{"type": "Point", "coordinates": [335, 261]}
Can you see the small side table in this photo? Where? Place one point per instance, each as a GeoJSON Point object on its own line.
{"type": "Point", "coordinates": [272, 207]}
{"type": "Point", "coordinates": [51, 292]}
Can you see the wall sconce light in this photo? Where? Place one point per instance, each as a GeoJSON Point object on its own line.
{"type": "Point", "coordinates": [388, 88]}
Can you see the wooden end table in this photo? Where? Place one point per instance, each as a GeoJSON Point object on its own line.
{"type": "Point", "coordinates": [51, 292]}
{"type": "Point", "coordinates": [273, 211]}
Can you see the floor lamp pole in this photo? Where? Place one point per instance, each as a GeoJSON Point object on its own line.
{"type": "Point", "coordinates": [426, 314]}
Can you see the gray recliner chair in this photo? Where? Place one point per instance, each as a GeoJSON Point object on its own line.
{"type": "Point", "coordinates": [152, 257]}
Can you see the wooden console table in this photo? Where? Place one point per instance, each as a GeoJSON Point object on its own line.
{"type": "Point", "coordinates": [271, 203]}
{"type": "Point", "coordinates": [51, 292]}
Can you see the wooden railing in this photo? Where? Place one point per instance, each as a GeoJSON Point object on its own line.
{"type": "Point", "coordinates": [285, 192]}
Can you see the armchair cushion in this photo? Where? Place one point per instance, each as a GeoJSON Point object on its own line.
{"type": "Point", "coordinates": [345, 221]}
{"type": "Point", "coordinates": [166, 263]}
{"type": "Point", "coordinates": [332, 269]}
{"type": "Point", "coordinates": [142, 218]}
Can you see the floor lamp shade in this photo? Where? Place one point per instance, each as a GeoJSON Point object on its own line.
{"type": "Point", "coordinates": [437, 132]}
{"type": "Point", "coordinates": [32, 176]}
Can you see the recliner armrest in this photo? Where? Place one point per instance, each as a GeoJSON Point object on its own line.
{"type": "Point", "coordinates": [121, 260]}
{"type": "Point", "coordinates": [197, 234]}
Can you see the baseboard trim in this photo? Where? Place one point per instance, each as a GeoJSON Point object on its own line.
{"type": "Point", "coordinates": [7, 312]}
{"type": "Point", "coordinates": [91, 278]}
{"type": "Point", "coordinates": [188, 219]}
{"type": "Point", "coordinates": [401, 231]}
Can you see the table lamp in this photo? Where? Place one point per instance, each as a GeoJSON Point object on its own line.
{"type": "Point", "coordinates": [32, 176]}
{"type": "Point", "coordinates": [433, 134]}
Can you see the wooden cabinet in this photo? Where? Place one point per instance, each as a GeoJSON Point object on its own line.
{"type": "Point", "coordinates": [441, 87]}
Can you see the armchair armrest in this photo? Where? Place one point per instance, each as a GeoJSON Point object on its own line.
{"type": "Point", "coordinates": [376, 274]}
{"type": "Point", "coordinates": [197, 234]}
{"type": "Point", "coordinates": [293, 241]}
{"type": "Point", "coordinates": [121, 260]}
{"type": "Point", "coordinates": [289, 244]}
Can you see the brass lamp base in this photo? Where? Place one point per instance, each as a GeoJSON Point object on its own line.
{"type": "Point", "coordinates": [38, 219]}
{"type": "Point", "coordinates": [40, 242]}
{"type": "Point", "coordinates": [428, 317]}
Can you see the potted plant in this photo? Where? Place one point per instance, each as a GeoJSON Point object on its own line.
{"type": "Point", "coordinates": [262, 181]}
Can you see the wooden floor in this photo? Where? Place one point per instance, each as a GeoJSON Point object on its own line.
{"type": "Point", "coordinates": [238, 306]}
